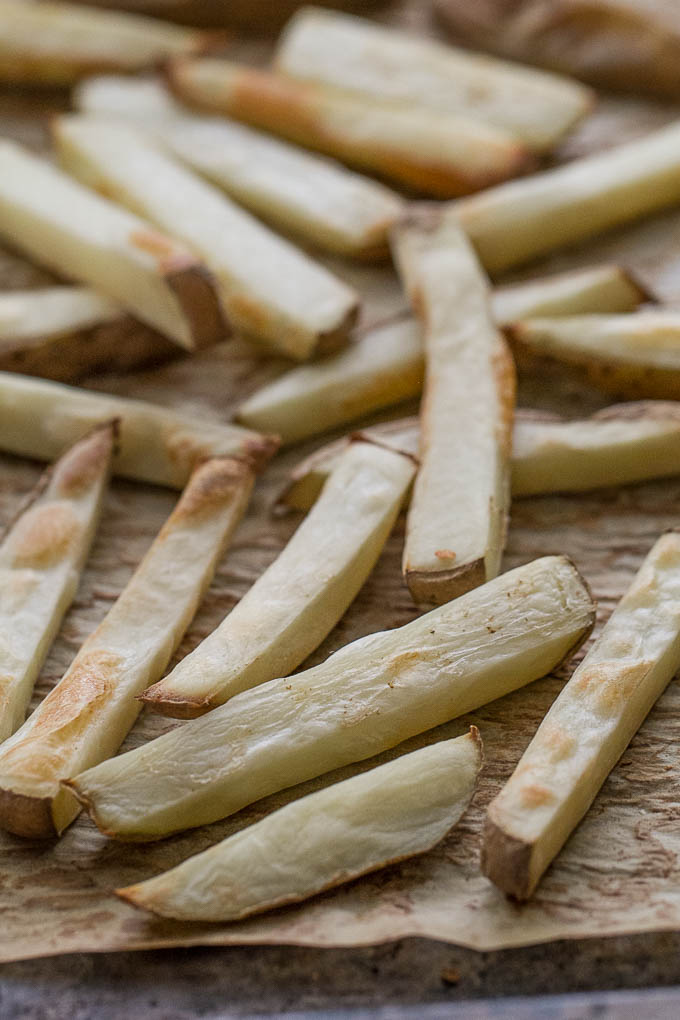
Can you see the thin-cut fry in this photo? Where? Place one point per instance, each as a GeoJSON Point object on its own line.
{"type": "Point", "coordinates": [41, 557]}
{"type": "Point", "coordinates": [269, 288]}
{"type": "Point", "coordinates": [624, 443]}
{"type": "Point", "coordinates": [360, 56]}
{"type": "Point", "coordinates": [42, 419]}
{"type": "Point", "coordinates": [297, 601]}
{"type": "Point", "coordinates": [437, 151]}
{"type": "Point", "coordinates": [84, 719]}
{"type": "Point", "coordinates": [455, 530]}
{"type": "Point", "coordinates": [322, 840]}
{"type": "Point", "coordinates": [367, 697]}
{"type": "Point", "coordinates": [588, 727]}
{"type": "Point", "coordinates": [630, 355]}
{"type": "Point", "coordinates": [54, 220]}
{"type": "Point", "coordinates": [318, 200]}
{"type": "Point", "coordinates": [56, 43]}
{"type": "Point", "coordinates": [65, 333]}
{"type": "Point", "coordinates": [385, 365]}
{"type": "Point", "coordinates": [517, 221]}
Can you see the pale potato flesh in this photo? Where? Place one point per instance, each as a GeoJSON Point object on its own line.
{"type": "Point", "coordinates": [322, 840]}
{"type": "Point", "coordinates": [85, 718]}
{"type": "Point", "coordinates": [385, 365]}
{"type": "Point", "coordinates": [455, 530]}
{"type": "Point", "coordinates": [317, 200]}
{"type": "Point", "coordinates": [364, 699]}
{"type": "Point", "coordinates": [42, 419]}
{"type": "Point", "coordinates": [52, 311]}
{"type": "Point", "coordinates": [520, 220]}
{"type": "Point", "coordinates": [268, 288]}
{"type": "Point", "coordinates": [55, 43]}
{"type": "Point", "coordinates": [360, 56]}
{"type": "Point", "coordinates": [297, 601]}
{"type": "Point", "coordinates": [632, 355]}
{"type": "Point", "coordinates": [41, 557]}
{"type": "Point", "coordinates": [588, 727]}
{"type": "Point", "coordinates": [50, 217]}
{"type": "Point", "coordinates": [436, 151]}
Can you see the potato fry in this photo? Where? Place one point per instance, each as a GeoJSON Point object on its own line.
{"type": "Point", "coordinates": [54, 220]}
{"type": "Point", "coordinates": [520, 220]}
{"type": "Point", "coordinates": [383, 63]}
{"type": "Point", "coordinates": [56, 43]}
{"type": "Point", "coordinates": [588, 727]}
{"type": "Point", "coordinates": [385, 365]}
{"type": "Point", "coordinates": [298, 600]}
{"type": "Point", "coordinates": [630, 355]}
{"type": "Point", "coordinates": [84, 719]}
{"type": "Point", "coordinates": [42, 419]}
{"type": "Point", "coordinates": [41, 557]}
{"type": "Point", "coordinates": [269, 288]}
{"type": "Point", "coordinates": [64, 333]}
{"type": "Point", "coordinates": [465, 418]}
{"type": "Point", "coordinates": [315, 199]}
{"type": "Point", "coordinates": [325, 839]}
{"type": "Point", "coordinates": [436, 151]}
{"type": "Point", "coordinates": [364, 699]}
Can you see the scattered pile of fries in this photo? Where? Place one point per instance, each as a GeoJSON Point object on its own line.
{"type": "Point", "coordinates": [165, 212]}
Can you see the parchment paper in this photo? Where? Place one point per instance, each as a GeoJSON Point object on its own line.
{"type": "Point", "coordinates": [618, 874]}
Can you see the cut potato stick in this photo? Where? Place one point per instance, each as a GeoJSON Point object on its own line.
{"type": "Point", "coordinates": [364, 699]}
{"type": "Point", "coordinates": [65, 333]}
{"type": "Point", "coordinates": [456, 526]}
{"type": "Point", "coordinates": [269, 288]}
{"type": "Point", "coordinates": [630, 355]}
{"type": "Point", "coordinates": [56, 43]}
{"type": "Point", "coordinates": [41, 557]}
{"type": "Point", "coordinates": [325, 839]}
{"type": "Point", "coordinates": [42, 419]}
{"type": "Point", "coordinates": [60, 224]}
{"type": "Point", "coordinates": [520, 220]}
{"type": "Point", "coordinates": [317, 200]}
{"type": "Point", "coordinates": [298, 600]}
{"type": "Point", "coordinates": [357, 55]}
{"type": "Point", "coordinates": [440, 152]}
{"type": "Point", "coordinates": [86, 716]}
{"type": "Point", "coordinates": [386, 365]}
{"type": "Point", "coordinates": [622, 444]}
{"type": "Point", "coordinates": [588, 727]}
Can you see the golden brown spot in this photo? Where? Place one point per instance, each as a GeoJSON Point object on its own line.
{"type": "Point", "coordinates": [445, 554]}
{"type": "Point", "coordinates": [248, 313]}
{"type": "Point", "coordinates": [610, 686]}
{"type": "Point", "coordinates": [89, 681]}
{"type": "Point", "coordinates": [535, 796]}
{"type": "Point", "coordinates": [85, 462]}
{"type": "Point", "coordinates": [171, 259]}
{"type": "Point", "coordinates": [557, 741]}
{"type": "Point", "coordinates": [212, 484]}
{"type": "Point", "coordinates": [43, 536]}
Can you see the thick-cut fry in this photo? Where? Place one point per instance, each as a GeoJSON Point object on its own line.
{"type": "Point", "coordinates": [455, 530]}
{"type": "Point", "coordinates": [360, 56]}
{"type": "Point", "coordinates": [588, 727]}
{"type": "Point", "coordinates": [365, 698]}
{"type": "Point", "coordinates": [85, 717]}
{"type": "Point", "coordinates": [320, 841]}
{"type": "Point", "coordinates": [41, 557]}
{"type": "Point", "coordinates": [54, 220]}
{"type": "Point", "coordinates": [624, 443]}
{"type": "Point", "coordinates": [65, 333]}
{"type": "Point", "coordinates": [517, 221]}
{"type": "Point", "coordinates": [385, 365]}
{"type": "Point", "coordinates": [293, 606]}
{"type": "Point", "coordinates": [630, 355]}
{"type": "Point", "coordinates": [56, 43]}
{"type": "Point", "coordinates": [440, 152]}
{"type": "Point", "coordinates": [269, 288]}
{"type": "Point", "coordinates": [315, 199]}
{"type": "Point", "coordinates": [633, 45]}
{"type": "Point", "coordinates": [42, 419]}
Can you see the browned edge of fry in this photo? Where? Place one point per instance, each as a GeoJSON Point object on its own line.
{"type": "Point", "coordinates": [195, 288]}
{"type": "Point", "coordinates": [436, 587]}
{"type": "Point", "coordinates": [29, 817]}
{"type": "Point", "coordinates": [130, 895]}
{"type": "Point", "coordinates": [174, 706]}
{"type": "Point", "coordinates": [334, 339]}
{"type": "Point", "coordinates": [259, 449]}
{"type": "Point", "coordinates": [505, 859]}
{"type": "Point", "coordinates": [365, 437]}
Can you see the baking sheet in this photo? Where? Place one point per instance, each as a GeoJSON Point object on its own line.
{"type": "Point", "coordinates": [618, 873]}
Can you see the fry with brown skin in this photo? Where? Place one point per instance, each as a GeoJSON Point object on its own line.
{"type": "Point", "coordinates": [456, 526]}
{"type": "Point", "coordinates": [438, 152]}
{"type": "Point", "coordinates": [84, 719]}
